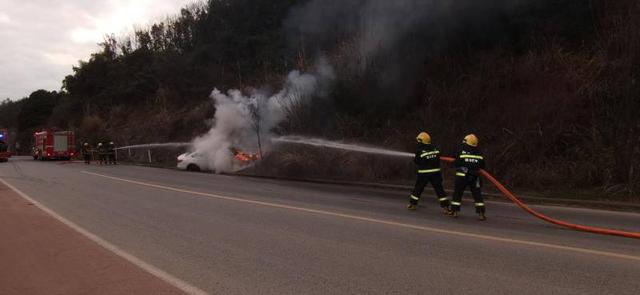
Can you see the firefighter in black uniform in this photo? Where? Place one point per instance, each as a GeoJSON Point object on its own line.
{"type": "Point", "coordinates": [102, 153]}
{"type": "Point", "coordinates": [111, 153]}
{"type": "Point", "coordinates": [427, 160]}
{"type": "Point", "coordinates": [468, 164]}
{"type": "Point", "coordinates": [86, 153]}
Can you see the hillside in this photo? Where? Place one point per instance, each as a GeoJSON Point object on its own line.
{"type": "Point", "coordinates": [549, 86]}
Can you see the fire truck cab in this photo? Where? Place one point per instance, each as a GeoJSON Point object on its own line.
{"type": "Point", "coordinates": [5, 154]}
{"type": "Point", "coordinates": [54, 145]}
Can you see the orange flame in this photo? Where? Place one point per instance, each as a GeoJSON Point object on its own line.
{"type": "Point", "coordinates": [245, 157]}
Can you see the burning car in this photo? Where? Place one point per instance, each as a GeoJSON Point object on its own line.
{"type": "Point", "coordinates": [195, 161]}
{"type": "Point", "coordinates": [192, 162]}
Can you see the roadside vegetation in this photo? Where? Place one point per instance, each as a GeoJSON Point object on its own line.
{"type": "Point", "coordinates": [551, 87]}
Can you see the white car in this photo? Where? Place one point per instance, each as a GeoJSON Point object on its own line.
{"type": "Point", "coordinates": [192, 162]}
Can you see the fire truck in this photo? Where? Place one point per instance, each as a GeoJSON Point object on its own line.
{"type": "Point", "coordinates": [5, 154]}
{"type": "Point", "coordinates": [54, 145]}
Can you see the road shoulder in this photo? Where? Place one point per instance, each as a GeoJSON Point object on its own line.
{"type": "Point", "coordinates": [41, 255]}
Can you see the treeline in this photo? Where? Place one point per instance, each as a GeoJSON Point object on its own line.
{"type": "Point", "coordinates": [154, 84]}
{"type": "Point", "coordinates": [550, 85]}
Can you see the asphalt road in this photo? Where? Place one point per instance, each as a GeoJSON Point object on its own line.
{"type": "Point", "coordinates": [235, 235]}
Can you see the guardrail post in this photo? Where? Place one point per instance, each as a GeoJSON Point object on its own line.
{"type": "Point", "coordinates": [149, 154]}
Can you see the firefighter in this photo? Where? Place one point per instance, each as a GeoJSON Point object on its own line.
{"type": "Point", "coordinates": [111, 153]}
{"type": "Point", "coordinates": [427, 160]}
{"type": "Point", "coordinates": [86, 153]}
{"type": "Point", "coordinates": [468, 163]}
{"type": "Point", "coordinates": [102, 153]}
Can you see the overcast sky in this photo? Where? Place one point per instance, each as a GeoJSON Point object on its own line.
{"type": "Point", "coordinates": [40, 40]}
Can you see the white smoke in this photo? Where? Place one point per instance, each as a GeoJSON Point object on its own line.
{"type": "Point", "coordinates": [240, 117]}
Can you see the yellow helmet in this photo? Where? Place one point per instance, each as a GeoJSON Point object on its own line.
{"type": "Point", "coordinates": [424, 137]}
{"type": "Point", "coordinates": [471, 140]}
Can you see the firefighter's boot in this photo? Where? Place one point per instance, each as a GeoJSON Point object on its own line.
{"type": "Point", "coordinates": [455, 207]}
{"type": "Point", "coordinates": [480, 209]}
{"type": "Point", "coordinates": [445, 204]}
{"type": "Point", "coordinates": [413, 202]}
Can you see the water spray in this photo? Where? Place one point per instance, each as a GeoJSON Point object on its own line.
{"type": "Point", "coordinates": [317, 142]}
{"type": "Point", "coordinates": [156, 145]}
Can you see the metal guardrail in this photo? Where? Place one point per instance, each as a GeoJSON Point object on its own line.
{"type": "Point", "coordinates": [149, 148]}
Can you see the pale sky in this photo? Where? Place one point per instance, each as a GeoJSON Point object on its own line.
{"type": "Point", "coordinates": [40, 40]}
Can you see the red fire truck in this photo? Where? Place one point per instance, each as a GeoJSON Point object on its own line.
{"type": "Point", "coordinates": [5, 154]}
{"type": "Point", "coordinates": [54, 145]}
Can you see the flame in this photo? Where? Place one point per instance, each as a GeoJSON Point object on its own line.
{"type": "Point", "coordinates": [246, 157]}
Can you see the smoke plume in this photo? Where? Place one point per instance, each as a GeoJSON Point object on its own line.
{"type": "Point", "coordinates": [394, 40]}
{"type": "Point", "coordinates": [241, 118]}
{"type": "Point", "coordinates": [381, 25]}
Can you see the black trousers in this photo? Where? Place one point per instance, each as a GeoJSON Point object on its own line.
{"type": "Point", "coordinates": [474, 183]}
{"type": "Point", "coordinates": [87, 158]}
{"type": "Point", "coordinates": [436, 182]}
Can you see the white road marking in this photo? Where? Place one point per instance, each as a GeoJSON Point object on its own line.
{"type": "Point", "coordinates": [162, 275]}
{"type": "Point", "coordinates": [378, 221]}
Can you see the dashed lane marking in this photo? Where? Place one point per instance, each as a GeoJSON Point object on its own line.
{"type": "Point", "coordinates": [378, 221]}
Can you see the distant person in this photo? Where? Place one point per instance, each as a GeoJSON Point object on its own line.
{"type": "Point", "coordinates": [427, 160]}
{"type": "Point", "coordinates": [102, 154]}
{"type": "Point", "coordinates": [86, 153]}
{"type": "Point", "coordinates": [468, 163]}
{"type": "Point", "coordinates": [111, 153]}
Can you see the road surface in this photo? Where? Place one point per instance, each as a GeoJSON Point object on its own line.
{"type": "Point", "coordinates": [235, 235]}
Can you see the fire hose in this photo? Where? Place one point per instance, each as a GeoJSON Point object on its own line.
{"type": "Point", "coordinates": [509, 195]}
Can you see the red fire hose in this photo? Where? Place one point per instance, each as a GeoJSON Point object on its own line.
{"type": "Point", "coordinates": [513, 198]}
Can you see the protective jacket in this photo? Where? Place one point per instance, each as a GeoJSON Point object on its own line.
{"type": "Point", "coordinates": [427, 158]}
{"type": "Point", "coordinates": [469, 161]}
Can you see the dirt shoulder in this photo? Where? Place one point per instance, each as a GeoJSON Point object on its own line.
{"type": "Point", "coordinates": [41, 255]}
